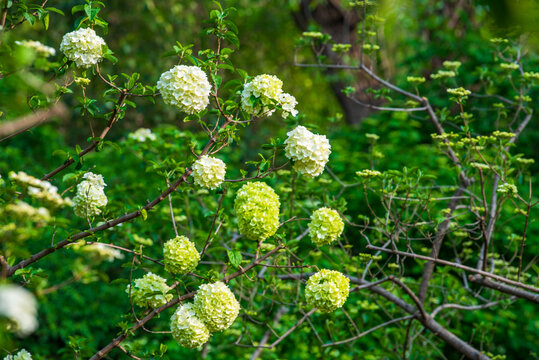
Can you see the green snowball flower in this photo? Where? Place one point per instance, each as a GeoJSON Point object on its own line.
{"type": "Point", "coordinates": [327, 290]}
{"type": "Point", "coordinates": [187, 329]}
{"type": "Point", "coordinates": [326, 226]}
{"type": "Point", "coordinates": [150, 291]}
{"type": "Point", "coordinates": [216, 306]}
{"type": "Point", "coordinates": [257, 208]}
{"type": "Point", "coordinates": [181, 255]}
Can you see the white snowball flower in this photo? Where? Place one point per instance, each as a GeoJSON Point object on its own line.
{"type": "Point", "coordinates": [21, 355]}
{"type": "Point", "coordinates": [83, 46]}
{"type": "Point", "coordinates": [267, 89]}
{"type": "Point", "coordinates": [39, 48]}
{"type": "Point", "coordinates": [20, 306]}
{"type": "Point", "coordinates": [150, 291]}
{"type": "Point", "coordinates": [39, 189]}
{"type": "Point", "coordinates": [90, 196]}
{"type": "Point", "coordinates": [309, 152]}
{"type": "Point", "coordinates": [209, 172]}
{"type": "Point", "coordinates": [186, 87]}
{"type": "Point", "coordinates": [288, 102]}
{"type": "Point", "coordinates": [142, 135]}
{"type": "Point", "coordinates": [25, 211]}
{"type": "Point", "coordinates": [187, 329]}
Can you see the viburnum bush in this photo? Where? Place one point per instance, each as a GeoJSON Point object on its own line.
{"type": "Point", "coordinates": [191, 243]}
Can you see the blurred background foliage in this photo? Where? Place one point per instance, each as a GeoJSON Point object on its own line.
{"type": "Point", "coordinates": [82, 299]}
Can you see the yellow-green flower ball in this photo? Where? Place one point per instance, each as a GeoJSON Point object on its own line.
{"type": "Point", "coordinates": [216, 306]}
{"type": "Point", "coordinates": [326, 226]}
{"type": "Point", "coordinates": [187, 329]}
{"type": "Point", "coordinates": [150, 291]}
{"type": "Point", "coordinates": [327, 290]}
{"type": "Point", "coordinates": [181, 255]}
{"type": "Point", "coordinates": [257, 208]}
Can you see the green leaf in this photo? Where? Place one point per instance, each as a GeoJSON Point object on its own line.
{"type": "Point", "coordinates": [67, 177]}
{"type": "Point", "coordinates": [169, 53]}
{"type": "Point", "coordinates": [31, 18]}
{"type": "Point", "coordinates": [53, 9]}
{"type": "Point", "coordinates": [46, 21]}
{"type": "Point", "coordinates": [234, 257]}
{"type": "Point", "coordinates": [77, 8]}
{"type": "Point", "coordinates": [91, 12]}
{"type": "Point", "coordinates": [144, 214]}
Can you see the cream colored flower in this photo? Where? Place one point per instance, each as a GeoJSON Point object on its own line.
{"type": "Point", "coordinates": [308, 151]}
{"type": "Point", "coordinates": [21, 355]}
{"type": "Point", "coordinates": [209, 172]}
{"type": "Point", "coordinates": [83, 46]}
{"type": "Point", "coordinates": [90, 196]}
{"type": "Point", "coordinates": [187, 329]}
{"type": "Point", "coordinates": [186, 87]}
{"type": "Point", "coordinates": [150, 291]}
{"type": "Point", "coordinates": [20, 306]}
{"type": "Point", "coordinates": [39, 48]}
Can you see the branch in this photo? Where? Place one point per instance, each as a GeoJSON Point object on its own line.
{"type": "Point", "coordinates": [463, 307]}
{"type": "Point", "coordinates": [267, 334]}
{"type": "Point", "coordinates": [505, 288]}
{"type": "Point", "coordinates": [437, 244]}
{"type": "Point", "coordinates": [369, 331]}
{"type": "Point", "coordinates": [455, 265]}
{"type": "Point", "coordinates": [428, 322]}
{"type": "Point", "coordinates": [93, 145]}
{"type": "Point", "coordinates": [25, 123]}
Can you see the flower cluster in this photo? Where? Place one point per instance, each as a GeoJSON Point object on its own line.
{"type": "Point", "coordinates": [209, 172]}
{"type": "Point", "coordinates": [83, 46]}
{"type": "Point", "coordinates": [20, 306]}
{"type": "Point", "coordinates": [186, 87]}
{"type": "Point", "coordinates": [326, 226]}
{"type": "Point", "coordinates": [341, 48]}
{"type": "Point", "coordinates": [142, 135]}
{"type": "Point", "coordinates": [263, 93]}
{"type": "Point", "coordinates": [367, 173]}
{"type": "Point", "coordinates": [310, 152]}
{"type": "Point", "coordinates": [508, 189]}
{"type": "Point", "coordinates": [21, 355]}
{"type": "Point", "coordinates": [459, 92]}
{"type": "Point", "coordinates": [452, 65]}
{"type": "Point", "coordinates": [39, 189]}
{"type": "Point", "coordinates": [443, 74]}
{"type": "Point", "coordinates": [187, 329]}
{"type": "Point", "coordinates": [327, 290]}
{"type": "Point", "coordinates": [415, 79]}
{"type": "Point", "coordinates": [288, 103]}
{"type": "Point", "coordinates": [503, 135]}
{"type": "Point", "coordinates": [181, 255]}
{"type": "Point", "coordinates": [25, 211]}
{"type": "Point", "coordinates": [257, 208]}
{"type": "Point", "coordinates": [216, 306]}
{"type": "Point", "coordinates": [39, 48]}
{"type": "Point", "coordinates": [90, 195]}
{"type": "Point", "coordinates": [312, 34]}
{"type": "Point", "coordinates": [150, 291]}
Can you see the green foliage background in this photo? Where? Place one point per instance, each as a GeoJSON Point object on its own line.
{"type": "Point", "coordinates": [85, 315]}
